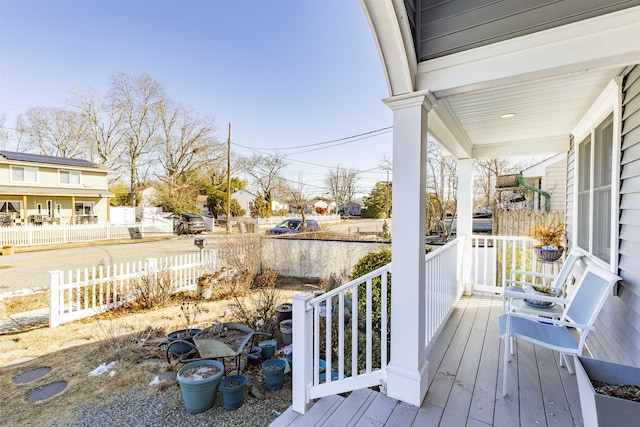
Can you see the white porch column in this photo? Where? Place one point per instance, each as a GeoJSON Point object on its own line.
{"type": "Point", "coordinates": [407, 371]}
{"type": "Point", "coordinates": [465, 217]}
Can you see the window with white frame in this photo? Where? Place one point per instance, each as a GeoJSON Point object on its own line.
{"type": "Point", "coordinates": [594, 181]}
{"type": "Point", "coordinates": [69, 177]}
{"type": "Point", "coordinates": [22, 174]}
{"type": "Point", "coordinates": [84, 208]}
{"type": "Point", "coordinates": [10, 206]}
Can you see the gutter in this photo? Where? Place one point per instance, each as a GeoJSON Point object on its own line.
{"type": "Point", "coordinates": [547, 202]}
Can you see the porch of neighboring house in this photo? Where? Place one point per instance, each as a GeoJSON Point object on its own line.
{"type": "Point", "coordinates": [465, 383]}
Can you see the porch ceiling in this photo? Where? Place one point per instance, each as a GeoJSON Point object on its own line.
{"type": "Point", "coordinates": [545, 111]}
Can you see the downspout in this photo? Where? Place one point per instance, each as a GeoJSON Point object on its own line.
{"type": "Point", "coordinates": [547, 197]}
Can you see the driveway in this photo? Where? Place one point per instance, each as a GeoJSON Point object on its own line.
{"type": "Point", "coordinates": [30, 269]}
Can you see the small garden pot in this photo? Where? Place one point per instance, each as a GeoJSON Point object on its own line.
{"type": "Point", "coordinates": [273, 370]}
{"type": "Point", "coordinates": [284, 312]}
{"type": "Point", "coordinates": [254, 355]}
{"type": "Point", "coordinates": [199, 384]}
{"type": "Point", "coordinates": [184, 335]}
{"type": "Point", "coordinates": [286, 328]}
{"type": "Point", "coordinates": [268, 348]}
{"type": "Point", "coordinates": [232, 388]}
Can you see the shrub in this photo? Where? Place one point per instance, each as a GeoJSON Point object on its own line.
{"type": "Point", "coordinates": [367, 264]}
{"type": "Point", "coordinates": [376, 352]}
{"type": "Point", "coordinates": [153, 288]}
{"type": "Point", "coordinates": [257, 309]}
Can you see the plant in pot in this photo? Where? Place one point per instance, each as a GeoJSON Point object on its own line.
{"type": "Point", "coordinates": [549, 237]}
{"type": "Point", "coordinates": [549, 249]}
{"type": "Point", "coordinates": [177, 346]}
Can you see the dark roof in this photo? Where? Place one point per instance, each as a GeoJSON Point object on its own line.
{"type": "Point", "coordinates": [38, 158]}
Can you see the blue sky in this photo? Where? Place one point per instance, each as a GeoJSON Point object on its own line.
{"type": "Point", "coordinates": [283, 72]}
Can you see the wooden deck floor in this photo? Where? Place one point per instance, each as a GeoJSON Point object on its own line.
{"type": "Point", "coordinates": [465, 374]}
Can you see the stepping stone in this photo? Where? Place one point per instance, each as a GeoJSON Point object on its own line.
{"type": "Point", "coordinates": [32, 375]}
{"type": "Point", "coordinates": [18, 362]}
{"type": "Point", "coordinates": [12, 353]}
{"type": "Point", "coordinates": [151, 362]}
{"type": "Point", "coordinates": [7, 344]}
{"type": "Point", "coordinates": [46, 391]}
{"type": "Point", "coordinates": [169, 375]}
{"type": "Point", "coordinates": [74, 343]}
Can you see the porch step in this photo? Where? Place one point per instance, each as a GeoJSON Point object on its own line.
{"type": "Point", "coordinates": [363, 407]}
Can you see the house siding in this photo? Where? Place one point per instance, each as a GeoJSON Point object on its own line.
{"type": "Point", "coordinates": [617, 333]}
{"type": "Point", "coordinates": [554, 182]}
{"type": "Point", "coordinates": [571, 164]}
{"type": "Point", "coordinates": [445, 27]}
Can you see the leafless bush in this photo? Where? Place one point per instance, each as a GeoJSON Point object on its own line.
{"type": "Point", "coordinates": [153, 288]}
{"type": "Point", "coordinates": [266, 279]}
{"type": "Point", "coordinates": [258, 308]}
{"type": "Point", "coordinates": [119, 340]}
{"type": "Point", "coordinates": [232, 285]}
{"type": "Point", "coordinates": [243, 253]}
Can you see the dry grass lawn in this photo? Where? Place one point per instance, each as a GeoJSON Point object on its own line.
{"type": "Point", "coordinates": [73, 350]}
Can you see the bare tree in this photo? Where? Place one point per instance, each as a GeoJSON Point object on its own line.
{"type": "Point", "coordinates": [138, 100]}
{"type": "Point", "coordinates": [186, 140]}
{"type": "Point", "coordinates": [293, 192]}
{"type": "Point", "coordinates": [441, 185]}
{"type": "Point", "coordinates": [55, 131]}
{"type": "Point", "coordinates": [4, 135]}
{"type": "Point", "coordinates": [266, 171]}
{"type": "Point", "coordinates": [486, 173]}
{"type": "Point", "coordinates": [342, 184]}
{"type": "Point", "coordinates": [105, 131]}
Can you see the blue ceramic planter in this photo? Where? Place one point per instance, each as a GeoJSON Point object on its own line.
{"type": "Point", "coordinates": [232, 388]}
{"type": "Point", "coordinates": [273, 370]}
{"type": "Point", "coordinates": [268, 348]}
{"type": "Point", "coordinates": [199, 394]}
{"type": "Point", "coordinates": [184, 335]}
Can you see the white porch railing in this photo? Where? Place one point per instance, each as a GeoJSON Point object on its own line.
{"type": "Point", "coordinates": [493, 258]}
{"type": "Point", "coordinates": [443, 284]}
{"type": "Point", "coordinates": [331, 328]}
{"type": "Point", "coordinates": [87, 292]}
{"type": "Point", "coordinates": [30, 235]}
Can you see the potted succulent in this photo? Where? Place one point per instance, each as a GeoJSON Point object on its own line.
{"type": "Point", "coordinates": [549, 237]}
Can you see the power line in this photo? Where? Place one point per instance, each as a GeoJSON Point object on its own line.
{"type": "Point", "coordinates": [319, 143]}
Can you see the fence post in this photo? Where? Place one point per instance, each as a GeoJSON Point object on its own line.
{"type": "Point", "coordinates": [303, 352]}
{"type": "Point", "coordinates": [55, 280]}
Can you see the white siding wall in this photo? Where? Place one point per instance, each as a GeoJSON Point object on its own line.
{"type": "Point", "coordinates": [617, 334]}
{"type": "Point", "coordinates": [554, 182]}
{"type": "Point", "coordinates": [571, 165]}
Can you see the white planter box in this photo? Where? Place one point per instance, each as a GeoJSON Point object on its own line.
{"type": "Point", "coordinates": [601, 410]}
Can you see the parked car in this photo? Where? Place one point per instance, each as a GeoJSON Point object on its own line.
{"type": "Point", "coordinates": [188, 224]}
{"type": "Point", "coordinates": [290, 226]}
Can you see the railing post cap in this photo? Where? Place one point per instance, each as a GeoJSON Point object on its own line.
{"type": "Point", "coordinates": [302, 297]}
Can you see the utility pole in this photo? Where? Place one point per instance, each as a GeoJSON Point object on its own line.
{"type": "Point", "coordinates": [229, 181]}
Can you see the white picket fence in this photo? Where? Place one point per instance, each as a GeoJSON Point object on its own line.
{"type": "Point", "coordinates": [31, 235]}
{"type": "Point", "coordinates": [86, 292]}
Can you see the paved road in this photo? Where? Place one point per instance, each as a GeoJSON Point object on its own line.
{"type": "Point", "coordinates": [30, 269]}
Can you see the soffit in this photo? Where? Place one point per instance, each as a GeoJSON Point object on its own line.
{"type": "Point", "coordinates": [544, 109]}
